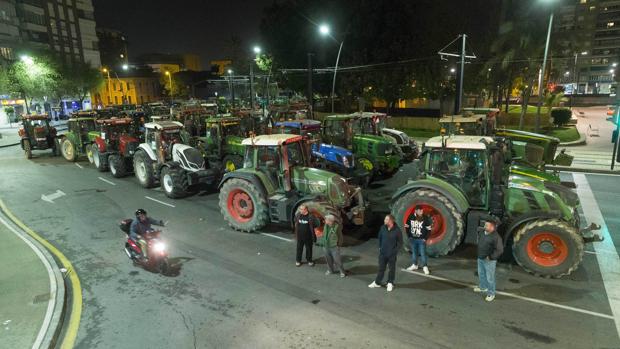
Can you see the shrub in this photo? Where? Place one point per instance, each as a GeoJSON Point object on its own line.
{"type": "Point", "coordinates": [561, 116]}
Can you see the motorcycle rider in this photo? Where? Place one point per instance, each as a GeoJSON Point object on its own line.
{"type": "Point", "coordinates": [140, 226]}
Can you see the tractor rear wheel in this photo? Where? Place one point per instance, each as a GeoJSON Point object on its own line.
{"type": "Point", "coordinates": [143, 167]}
{"type": "Point", "coordinates": [448, 226]}
{"type": "Point", "coordinates": [174, 182]}
{"type": "Point", "coordinates": [89, 154]}
{"type": "Point", "coordinates": [320, 209]}
{"type": "Point", "coordinates": [118, 165]}
{"type": "Point", "coordinates": [100, 160]}
{"type": "Point", "coordinates": [548, 248]}
{"type": "Point", "coordinates": [232, 162]}
{"type": "Point", "coordinates": [67, 149]}
{"type": "Point", "coordinates": [243, 205]}
{"type": "Point", "coordinates": [27, 149]}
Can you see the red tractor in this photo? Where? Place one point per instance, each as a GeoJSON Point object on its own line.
{"type": "Point", "coordinates": [114, 148]}
{"type": "Point", "coordinates": [37, 133]}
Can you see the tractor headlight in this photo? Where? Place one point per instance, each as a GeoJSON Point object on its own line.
{"type": "Point", "coordinates": [159, 247]}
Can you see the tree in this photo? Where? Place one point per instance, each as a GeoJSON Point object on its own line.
{"type": "Point", "coordinates": [78, 80]}
{"type": "Point", "coordinates": [30, 78]}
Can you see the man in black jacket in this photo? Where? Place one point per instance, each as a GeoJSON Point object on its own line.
{"type": "Point", "coordinates": [490, 248]}
{"type": "Point", "coordinates": [390, 242]}
{"type": "Point", "coordinates": [418, 226]}
{"type": "Point", "coordinates": [304, 232]}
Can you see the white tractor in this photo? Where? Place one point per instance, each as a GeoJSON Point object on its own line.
{"type": "Point", "coordinates": [163, 157]}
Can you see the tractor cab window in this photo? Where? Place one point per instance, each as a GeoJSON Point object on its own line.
{"type": "Point", "coordinates": [87, 126]}
{"type": "Point", "coordinates": [364, 126]}
{"type": "Point", "coordinates": [231, 129]}
{"type": "Point", "coordinates": [463, 168]}
{"type": "Point", "coordinates": [268, 158]}
{"type": "Point", "coordinates": [294, 154]}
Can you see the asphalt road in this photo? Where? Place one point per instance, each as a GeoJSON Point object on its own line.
{"type": "Point", "coordinates": [243, 290]}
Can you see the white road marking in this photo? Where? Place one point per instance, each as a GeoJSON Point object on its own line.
{"type": "Point", "coordinates": [107, 181]}
{"type": "Point", "coordinates": [599, 251]}
{"type": "Point", "coordinates": [161, 202]}
{"type": "Point", "coordinates": [592, 173]}
{"type": "Point", "coordinates": [277, 237]}
{"type": "Point", "coordinates": [608, 263]}
{"type": "Point", "coordinates": [53, 196]}
{"type": "Point", "coordinates": [53, 287]}
{"type": "Point", "coordinates": [513, 295]}
{"type": "Point", "coordinates": [78, 165]}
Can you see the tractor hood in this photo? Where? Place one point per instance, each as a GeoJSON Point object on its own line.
{"type": "Point", "coordinates": [526, 194]}
{"type": "Point", "coordinates": [528, 171]}
{"type": "Point", "coordinates": [370, 138]}
{"type": "Point", "coordinates": [325, 148]}
{"type": "Point", "coordinates": [234, 140]}
{"type": "Point", "coordinates": [310, 180]}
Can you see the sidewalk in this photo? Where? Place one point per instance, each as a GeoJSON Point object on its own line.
{"type": "Point", "coordinates": [9, 136]}
{"type": "Point", "coordinates": [31, 289]}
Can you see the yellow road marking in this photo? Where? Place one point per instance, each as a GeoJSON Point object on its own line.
{"type": "Point", "coordinates": [76, 307]}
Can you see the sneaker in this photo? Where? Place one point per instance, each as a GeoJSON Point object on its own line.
{"type": "Point", "coordinates": [390, 287]}
{"type": "Point", "coordinates": [477, 289]}
{"type": "Point", "coordinates": [412, 267]}
{"type": "Point", "coordinates": [297, 264]}
{"type": "Point", "coordinates": [342, 275]}
{"type": "Point", "coordinates": [328, 272]}
{"type": "Point", "coordinates": [311, 264]}
{"type": "Point", "coordinates": [490, 298]}
{"type": "Point", "coordinates": [374, 285]}
{"type": "Point", "coordinates": [426, 271]}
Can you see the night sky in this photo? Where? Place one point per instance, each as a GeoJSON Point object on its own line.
{"type": "Point", "coordinates": [203, 27]}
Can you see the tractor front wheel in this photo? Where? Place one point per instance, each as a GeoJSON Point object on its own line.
{"type": "Point", "coordinates": [27, 149]}
{"type": "Point", "coordinates": [67, 148]}
{"type": "Point", "coordinates": [243, 205]}
{"type": "Point", "coordinates": [448, 226]}
{"type": "Point", "coordinates": [143, 167]}
{"type": "Point", "coordinates": [118, 165]}
{"type": "Point", "coordinates": [548, 248]}
{"type": "Point", "coordinates": [174, 182]}
{"type": "Point", "coordinates": [100, 160]}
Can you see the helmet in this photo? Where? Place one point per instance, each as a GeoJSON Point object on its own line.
{"type": "Point", "coordinates": [140, 211]}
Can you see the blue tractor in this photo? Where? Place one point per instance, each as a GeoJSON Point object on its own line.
{"type": "Point", "coordinates": [332, 157]}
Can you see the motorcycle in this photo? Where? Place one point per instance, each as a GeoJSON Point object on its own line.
{"type": "Point", "coordinates": [157, 251]}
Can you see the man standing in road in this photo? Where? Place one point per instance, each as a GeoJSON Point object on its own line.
{"type": "Point", "coordinates": [304, 232]}
{"type": "Point", "coordinates": [490, 248]}
{"type": "Point", "coordinates": [390, 242]}
{"type": "Point", "coordinates": [332, 240]}
{"type": "Point", "coordinates": [418, 228]}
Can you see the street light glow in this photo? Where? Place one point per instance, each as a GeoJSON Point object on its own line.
{"type": "Point", "coordinates": [452, 70]}
{"type": "Point", "coordinates": [583, 53]}
{"type": "Point", "coordinates": [229, 71]}
{"type": "Point", "coordinates": [324, 29]}
{"type": "Point", "coordinates": [614, 65]}
{"type": "Point", "coordinates": [167, 73]}
{"type": "Point", "coordinates": [105, 70]}
{"type": "Point", "coordinates": [257, 49]}
{"type": "Point", "coordinates": [611, 71]}
{"type": "Point", "coordinates": [27, 59]}
{"type": "Point", "coordinates": [125, 67]}
{"type": "Point", "coordinates": [567, 73]}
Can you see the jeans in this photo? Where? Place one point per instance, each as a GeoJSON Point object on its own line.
{"type": "Point", "coordinates": [143, 246]}
{"type": "Point", "coordinates": [418, 248]}
{"type": "Point", "coordinates": [332, 257]}
{"type": "Point", "coordinates": [300, 249]}
{"type": "Point", "coordinates": [486, 274]}
{"type": "Point", "coordinates": [383, 262]}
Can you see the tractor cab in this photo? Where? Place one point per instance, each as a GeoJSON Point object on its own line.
{"type": "Point", "coordinates": [113, 129]}
{"type": "Point", "coordinates": [466, 124]}
{"type": "Point", "coordinates": [84, 128]}
{"type": "Point", "coordinates": [311, 129]}
{"type": "Point", "coordinates": [161, 136]}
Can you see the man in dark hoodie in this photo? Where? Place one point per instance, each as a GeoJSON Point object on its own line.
{"type": "Point", "coordinates": [304, 232]}
{"type": "Point", "coordinates": [490, 248]}
{"type": "Point", "coordinates": [390, 242]}
{"type": "Point", "coordinates": [418, 226]}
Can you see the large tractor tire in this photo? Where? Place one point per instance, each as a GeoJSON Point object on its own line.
{"type": "Point", "coordinates": [243, 205]}
{"type": "Point", "coordinates": [100, 160]}
{"type": "Point", "coordinates": [27, 148]}
{"type": "Point", "coordinates": [174, 182]}
{"type": "Point", "coordinates": [118, 165]}
{"type": "Point", "coordinates": [448, 224]}
{"type": "Point", "coordinates": [67, 148]}
{"type": "Point", "coordinates": [143, 168]}
{"type": "Point", "coordinates": [320, 209]}
{"type": "Point", "coordinates": [232, 162]}
{"type": "Point", "coordinates": [548, 248]}
{"type": "Point", "coordinates": [89, 154]}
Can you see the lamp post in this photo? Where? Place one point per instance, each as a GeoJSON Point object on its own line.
{"type": "Point", "coordinates": [257, 51]}
{"type": "Point", "coordinates": [170, 83]}
{"type": "Point", "coordinates": [542, 72]}
{"type": "Point", "coordinates": [105, 70]}
{"type": "Point", "coordinates": [325, 31]}
{"type": "Point", "coordinates": [231, 87]}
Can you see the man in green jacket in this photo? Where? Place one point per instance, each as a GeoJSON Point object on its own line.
{"type": "Point", "coordinates": [332, 240]}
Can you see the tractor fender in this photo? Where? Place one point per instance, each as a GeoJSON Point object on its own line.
{"type": "Point", "coordinates": [515, 222]}
{"type": "Point", "coordinates": [171, 164]}
{"type": "Point", "coordinates": [148, 151]}
{"type": "Point", "coordinates": [100, 144]}
{"type": "Point", "coordinates": [250, 177]}
{"type": "Point", "coordinates": [448, 190]}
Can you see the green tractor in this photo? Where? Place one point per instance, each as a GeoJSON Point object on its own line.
{"type": "Point", "coordinates": [222, 142]}
{"type": "Point", "coordinates": [81, 133]}
{"type": "Point", "coordinates": [376, 124]}
{"type": "Point", "coordinates": [464, 179]}
{"type": "Point", "coordinates": [276, 179]}
{"type": "Point", "coordinates": [375, 153]}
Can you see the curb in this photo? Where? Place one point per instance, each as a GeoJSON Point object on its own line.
{"type": "Point", "coordinates": [8, 145]}
{"type": "Point", "coordinates": [63, 336]}
{"type": "Point", "coordinates": [581, 141]}
{"type": "Point", "coordinates": [585, 170]}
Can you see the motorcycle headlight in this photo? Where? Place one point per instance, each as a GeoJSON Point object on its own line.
{"type": "Point", "coordinates": [159, 247]}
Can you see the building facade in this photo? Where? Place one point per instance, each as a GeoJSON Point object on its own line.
{"type": "Point", "coordinates": [129, 88]}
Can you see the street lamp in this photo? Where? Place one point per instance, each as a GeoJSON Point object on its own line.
{"type": "Point", "coordinates": [167, 73]}
{"type": "Point", "coordinates": [231, 87]}
{"type": "Point", "coordinates": [27, 59]}
{"type": "Point", "coordinates": [257, 51]}
{"type": "Point", "coordinates": [325, 31]}
{"type": "Point", "coordinates": [542, 72]}
{"type": "Point", "coordinates": [452, 70]}
{"type": "Point", "coordinates": [125, 67]}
